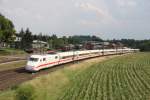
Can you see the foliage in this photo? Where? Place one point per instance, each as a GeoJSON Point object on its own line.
{"type": "Point", "coordinates": [25, 93]}
{"type": "Point", "coordinates": [26, 39]}
{"type": "Point", "coordinates": [11, 51]}
{"type": "Point", "coordinates": [6, 29]}
{"type": "Point", "coordinates": [81, 39]}
{"type": "Point", "coordinates": [143, 45]}
{"type": "Point", "coordinates": [56, 43]}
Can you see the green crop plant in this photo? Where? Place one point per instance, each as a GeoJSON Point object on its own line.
{"type": "Point", "coordinates": [122, 78]}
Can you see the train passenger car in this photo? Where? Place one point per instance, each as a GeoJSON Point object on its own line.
{"type": "Point", "coordinates": [38, 62]}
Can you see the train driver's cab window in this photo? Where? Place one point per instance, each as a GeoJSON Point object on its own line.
{"type": "Point", "coordinates": [40, 60]}
{"type": "Point", "coordinates": [44, 59]}
{"type": "Point", "coordinates": [33, 59]}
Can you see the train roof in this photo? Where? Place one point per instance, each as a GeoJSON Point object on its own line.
{"type": "Point", "coordinates": [44, 55]}
{"type": "Point", "coordinates": [69, 53]}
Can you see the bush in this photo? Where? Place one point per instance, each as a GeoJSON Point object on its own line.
{"type": "Point", "coordinates": [26, 92]}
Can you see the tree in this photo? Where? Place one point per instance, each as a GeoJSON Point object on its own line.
{"type": "Point", "coordinates": [143, 45]}
{"type": "Point", "coordinates": [54, 40]}
{"type": "Point", "coordinates": [6, 30]}
{"type": "Point", "coordinates": [59, 43]}
{"type": "Point", "coordinates": [95, 38]}
{"type": "Point", "coordinates": [65, 40]}
{"type": "Point", "coordinates": [50, 42]}
{"type": "Point", "coordinates": [22, 42]}
{"type": "Point", "coordinates": [27, 40]}
{"type": "Point", "coordinates": [35, 37]}
{"type": "Point", "coordinates": [82, 38]}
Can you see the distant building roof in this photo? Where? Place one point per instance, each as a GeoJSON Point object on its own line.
{"type": "Point", "coordinates": [37, 41]}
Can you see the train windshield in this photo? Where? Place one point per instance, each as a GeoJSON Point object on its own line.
{"type": "Point", "coordinates": [33, 59]}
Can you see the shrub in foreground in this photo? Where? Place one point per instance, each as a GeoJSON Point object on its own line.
{"type": "Point", "coordinates": [26, 92]}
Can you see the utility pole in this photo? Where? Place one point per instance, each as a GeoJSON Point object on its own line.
{"type": "Point", "coordinates": [103, 49]}
{"type": "Point", "coordinates": [122, 48]}
{"type": "Point", "coordinates": [116, 50]}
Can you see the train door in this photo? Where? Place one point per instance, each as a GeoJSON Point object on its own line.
{"type": "Point", "coordinates": [54, 60]}
{"type": "Point", "coordinates": [41, 63]}
{"type": "Point", "coordinates": [77, 56]}
{"type": "Point", "coordinates": [57, 59]}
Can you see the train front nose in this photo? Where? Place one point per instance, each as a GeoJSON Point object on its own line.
{"type": "Point", "coordinates": [29, 68]}
{"type": "Point", "coordinates": [32, 63]}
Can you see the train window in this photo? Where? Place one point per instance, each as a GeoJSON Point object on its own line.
{"type": "Point", "coordinates": [44, 59]}
{"type": "Point", "coordinates": [67, 57]}
{"type": "Point", "coordinates": [56, 57]}
{"type": "Point", "coordinates": [33, 59]}
{"type": "Point", "coordinates": [83, 54]}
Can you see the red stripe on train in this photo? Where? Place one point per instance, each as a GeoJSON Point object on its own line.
{"type": "Point", "coordinates": [53, 63]}
{"type": "Point", "coordinates": [63, 60]}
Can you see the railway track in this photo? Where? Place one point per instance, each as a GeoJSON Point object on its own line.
{"type": "Point", "coordinates": [13, 77]}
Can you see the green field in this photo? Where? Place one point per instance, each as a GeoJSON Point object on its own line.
{"type": "Point", "coordinates": [11, 51]}
{"type": "Point", "coordinates": [121, 78]}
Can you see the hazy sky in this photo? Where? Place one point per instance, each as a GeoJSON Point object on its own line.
{"type": "Point", "coordinates": [105, 18]}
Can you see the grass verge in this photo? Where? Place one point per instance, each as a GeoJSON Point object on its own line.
{"type": "Point", "coordinates": [12, 65]}
{"type": "Point", "coordinates": [11, 51]}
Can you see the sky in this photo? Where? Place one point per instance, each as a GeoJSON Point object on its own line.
{"type": "Point", "coordinates": [108, 19]}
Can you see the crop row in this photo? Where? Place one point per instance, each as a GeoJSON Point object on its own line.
{"type": "Point", "coordinates": [122, 78]}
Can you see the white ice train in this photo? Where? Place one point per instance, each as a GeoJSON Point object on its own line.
{"type": "Point", "coordinates": [38, 62]}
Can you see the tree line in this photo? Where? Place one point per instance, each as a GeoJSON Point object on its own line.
{"type": "Point", "coordinates": [143, 45]}
{"type": "Point", "coordinates": [54, 41]}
